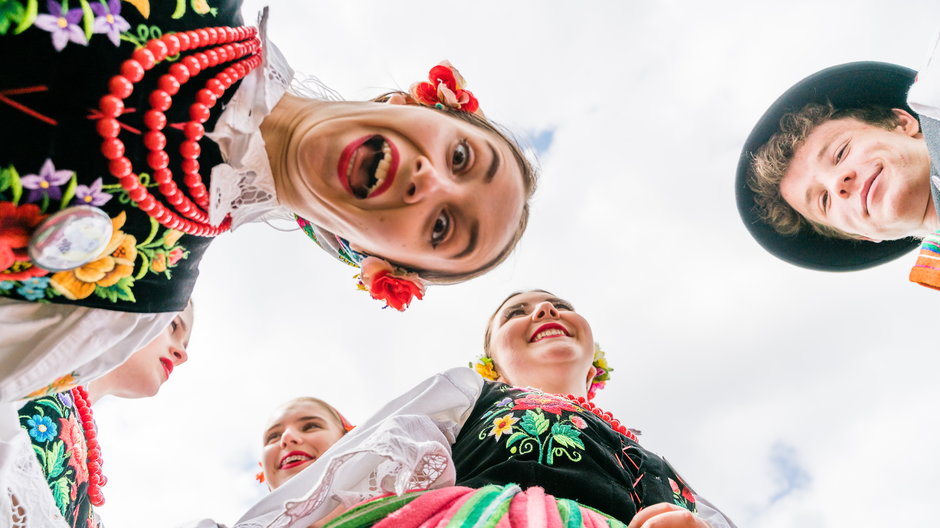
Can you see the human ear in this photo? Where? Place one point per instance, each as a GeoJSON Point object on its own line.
{"type": "Point", "coordinates": [906, 122]}
{"type": "Point", "coordinates": [397, 99]}
{"type": "Point", "coordinates": [590, 376]}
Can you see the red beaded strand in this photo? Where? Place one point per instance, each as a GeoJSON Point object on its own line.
{"type": "Point", "coordinates": [606, 416]}
{"type": "Point", "coordinates": [231, 44]}
{"type": "Point", "coordinates": [96, 478]}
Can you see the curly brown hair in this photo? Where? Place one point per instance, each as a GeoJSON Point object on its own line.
{"type": "Point", "coordinates": [772, 159]}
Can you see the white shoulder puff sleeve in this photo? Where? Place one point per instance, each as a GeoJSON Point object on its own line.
{"type": "Point", "coordinates": [406, 445]}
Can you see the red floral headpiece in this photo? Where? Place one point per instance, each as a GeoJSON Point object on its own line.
{"type": "Point", "coordinates": [445, 89]}
{"type": "Point", "coordinates": [396, 286]}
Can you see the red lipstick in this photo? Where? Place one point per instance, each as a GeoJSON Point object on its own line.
{"type": "Point", "coordinates": [367, 166]}
{"type": "Point", "coordinates": [294, 459]}
{"type": "Point", "coordinates": [167, 366]}
{"type": "Point", "coordinates": [549, 326]}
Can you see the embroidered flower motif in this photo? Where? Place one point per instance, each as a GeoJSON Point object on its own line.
{"type": "Point", "coordinates": [175, 255]}
{"type": "Point", "coordinates": [578, 422]}
{"type": "Point", "coordinates": [75, 446]}
{"type": "Point", "coordinates": [502, 425]}
{"type": "Point", "coordinates": [142, 5]}
{"type": "Point", "coordinates": [602, 374]}
{"type": "Point", "coordinates": [484, 367]}
{"type": "Point", "coordinates": [91, 194]}
{"type": "Point", "coordinates": [41, 428]}
{"type": "Point", "coordinates": [171, 237]}
{"type": "Point", "coordinates": [64, 383]}
{"type": "Point", "coordinates": [445, 89]}
{"type": "Point", "coordinates": [682, 496]}
{"type": "Point", "coordinates": [33, 288]}
{"type": "Point", "coordinates": [115, 263]}
{"type": "Point", "coordinates": [47, 182]}
{"type": "Point", "coordinates": [158, 263]}
{"type": "Point", "coordinates": [63, 26]}
{"type": "Point", "coordinates": [545, 402]}
{"type": "Point", "coordinates": [386, 283]}
{"type": "Point", "coordinates": [66, 398]}
{"type": "Point", "coordinates": [17, 224]}
{"type": "Point", "coordinates": [108, 20]}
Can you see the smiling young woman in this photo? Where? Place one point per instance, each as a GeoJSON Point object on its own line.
{"type": "Point", "coordinates": [181, 132]}
{"type": "Point", "coordinates": [530, 447]}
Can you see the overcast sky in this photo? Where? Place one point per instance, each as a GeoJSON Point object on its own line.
{"type": "Point", "coordinates": [786, 397]}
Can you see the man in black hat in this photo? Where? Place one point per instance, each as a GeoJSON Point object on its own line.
{"type": "Point", "coordinates": [837, 173]}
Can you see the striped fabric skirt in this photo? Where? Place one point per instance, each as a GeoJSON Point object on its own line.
{"type": "Point", "coordinates": [492, 506]}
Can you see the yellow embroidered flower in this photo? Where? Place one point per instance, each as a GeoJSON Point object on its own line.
{"type": "Point", "coordinates": [115, 263]}
{"type": "Point", "coordinates": [171, 237]}
{"type": "Point", "coordinates": [158, 264]}
{"type": "Point", "coordinates": [484, 367]}
{"type": "Point", "coordinates": [62, 384]}
{"type": "Point", "coordinates": [142, 5]}
{"type": "Point", "coordinates": [502, 425]}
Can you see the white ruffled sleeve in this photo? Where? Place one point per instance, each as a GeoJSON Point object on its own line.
{"type": "Point", "coordinates": [406, 445]}
{"type": "Point", "coordinates": [924, 96]}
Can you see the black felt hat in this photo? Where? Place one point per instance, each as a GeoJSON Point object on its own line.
{"type": "Point", "coordinates": [852, 85]}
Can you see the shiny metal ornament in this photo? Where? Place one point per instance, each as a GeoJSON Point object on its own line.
{"type": "Point", "coordinates": [70, 238]}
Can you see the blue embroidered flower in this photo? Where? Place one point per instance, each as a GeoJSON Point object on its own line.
{"type": "Point", "coordinates": [47, 182]}
{"type": "Point", "coordinates": [34, 288]}
{"type": "Point", "coordinates": [6, 286]}
{"type": "Point", "coordinates": [63, 26]}
{"type": "Point", "coordinates": [41, 428]}
{"type": "Point", "coordinates": [91, 194]}
{"type": "Point", "coordinates": [108, 20]}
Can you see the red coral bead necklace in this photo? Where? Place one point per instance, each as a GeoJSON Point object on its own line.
{"type": "Point", "coordinates": [614, 423]}
{"type": "Point", "coordinates": [96, 478]}
{"type": "Point", "coordinates": [188, 214]}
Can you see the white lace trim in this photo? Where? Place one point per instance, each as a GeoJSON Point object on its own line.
{"type": "Point", "coordinates": [243, 186]}
{"type": "Point", "coordinates": [398, 464]}
{"type": "Point", "coordinates": [25, 498]}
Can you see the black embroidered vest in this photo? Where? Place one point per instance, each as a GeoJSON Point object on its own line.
{"type": "Point", "coordinates": [57, 61]}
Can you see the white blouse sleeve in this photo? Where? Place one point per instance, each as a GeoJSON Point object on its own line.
{"type": "Point", "coordinates": [406, 445]}
{"type": "Point", "coordinates": [924, 96]}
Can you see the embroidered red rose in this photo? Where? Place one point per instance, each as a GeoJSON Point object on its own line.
{"type": "Point", "coordinates": [546, 402]}
{"type": "Point", "coordinates": [17, 224]}
{"type": "Point", "coordinates": [175, 256]}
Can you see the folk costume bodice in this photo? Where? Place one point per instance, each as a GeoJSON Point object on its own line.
{"type": "Point", "coordinates": [58, 62]}
{"type": "Point", "coordinates": [531, 438]}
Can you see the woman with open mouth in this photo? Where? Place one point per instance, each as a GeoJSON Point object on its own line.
{"type": "Point", "coordinates": [128, 151]}
{"type": "Point", "coordinates": [297, 434]}
{"type": "Point", "coordinates": [516, 440]}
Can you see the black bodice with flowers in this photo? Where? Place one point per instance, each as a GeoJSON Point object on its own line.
{"type": "Point", "coordinates": [531, 438]}
{"type": "Point", "coordinates": [57, 59]}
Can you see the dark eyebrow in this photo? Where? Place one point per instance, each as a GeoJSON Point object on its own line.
{"type": "Point", "coordinates": [472, 241]}
{"type": "Point", "coordinates": [514, 307]}
{"type": "Point", "coordinates": [494, 163]}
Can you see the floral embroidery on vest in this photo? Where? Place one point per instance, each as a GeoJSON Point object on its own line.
{"type": "Point", "coordinates": [65, 383]}
{"type": "Point", "coordinates": [547, 426]}
{"type": "Point", "coordinates": [111, 276]}
{"type": "Point", "coordinates": [59, 443]}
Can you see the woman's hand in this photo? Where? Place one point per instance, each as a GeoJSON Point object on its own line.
{"type": "Point", "coordinates": [667, 515]}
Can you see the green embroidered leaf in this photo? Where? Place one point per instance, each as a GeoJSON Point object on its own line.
{"type": "Point", "coordinates": [55, 461]}
{"type": "Point", "coordinates": [534, 422]}
{"type": "Point", "coordinates": [60, 491]}
{"type": "Point", "coordinates": [13, 15]}
{"type": "Point", "coordinates": [15, 185]}
{"type": "Point", "coordinates": [144, 263]}
{"type": "Point", "coordinates": [50, 403]}
{"type": "Point", "coordinates": [41, 454]}
{"type": "Point", "coordinates": [121, 290]}
{"type": "Point", "coordinates": [568, 441]}
{"type": "Point", "coordinates": [88, 19]}
{"type": "Point", "coordinates": [515, 438]}
{"type": "Point", "coordinates": [32, 8]}
{"type": "Point", "coordinates": [180, 9]}
{"type": "Point", "coordinates": [69, 192]}
{"type": "Point", "coordinates": [4, 173]}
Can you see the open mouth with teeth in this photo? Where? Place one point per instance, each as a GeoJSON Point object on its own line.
{"type": "Point", "coordinates": [294, 459]}
{"type": "Point", "coordinates": [367, 166]}
{"type": "Point", "coordinates": [549, 331]}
